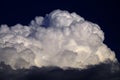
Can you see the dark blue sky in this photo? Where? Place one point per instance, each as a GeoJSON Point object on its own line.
{"type": "Point", "coordinates": [103, 12]}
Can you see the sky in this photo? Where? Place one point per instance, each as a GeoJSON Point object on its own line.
{"type": "Point", "coordinates": [104, 13]}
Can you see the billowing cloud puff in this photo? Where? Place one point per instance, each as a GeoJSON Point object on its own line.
{"type": "Point", "coordinates": [60, 39]}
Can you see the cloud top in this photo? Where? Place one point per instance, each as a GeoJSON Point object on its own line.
{"type": "Point", "coordinates": [60, 39]}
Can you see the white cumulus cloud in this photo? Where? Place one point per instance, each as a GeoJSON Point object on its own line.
{"type": "Point", "coordinates": [60, 39]}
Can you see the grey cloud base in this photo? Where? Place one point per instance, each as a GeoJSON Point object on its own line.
{"type": "Point", "coordinates": [109, 71]}
{"type": "Point", "coordinates": [60, 39]}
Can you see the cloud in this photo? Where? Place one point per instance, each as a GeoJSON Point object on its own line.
{"type": "Point", "coordinates": [109, 71]}
{"type": "Point", "coordinates": [60, 39]}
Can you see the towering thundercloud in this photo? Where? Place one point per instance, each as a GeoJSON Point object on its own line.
{"type": "Point", "coordinates": [60, 39]}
